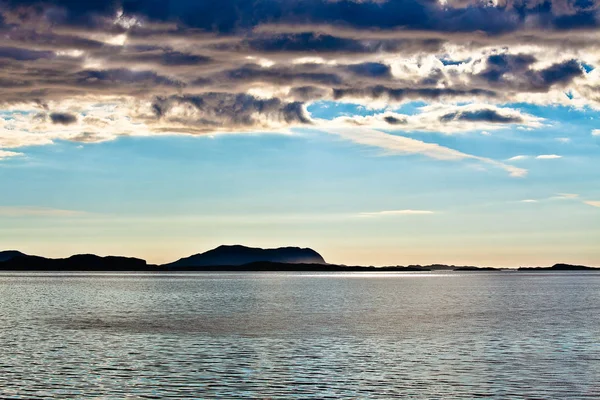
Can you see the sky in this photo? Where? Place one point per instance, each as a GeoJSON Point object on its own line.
{"type": "Point", "coordinates": [375, 132]}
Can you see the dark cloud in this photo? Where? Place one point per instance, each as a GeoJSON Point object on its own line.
{"type": "Point", "coordinates": [500, 64]}
{"type": "Point", "coordinates": [89, 13]}
{"type": "Point", "coordinates": [560, 73]}
{"type": "Point", "coordinates": [282, 76]}
{"type": "Point", "coordinates": [514, 72]}
{"type": "Point", "coordinates": [50, 40]}
{"type": "Point", "coordinates": [63, 118]}
{"type": "Point", "coordinates": [238, 110]}
{"type": "Point", "coordinates": [390, 119]}
{"type": "Point", "coordinates": [230, 16]}
{"type": "Point", "coordinates": [579, 20]}
{"type": "Point", "coordinates": [122, 77]}
{"type": "Point", "coordinates": [24, 54]}
{"type": "Point", "coordinates": [307, 93]}
{"type": "Point", "coordinates": [317, 43]}
{"type": "Point", "coordinates": [399, 94]}
{"type": "Point", "coordinates": [371, 69]}
{"type": "Point", "coordinates": [159, 56]}
{"type": "Point", "coordinates": [177, 58]}
{"type": "Point", "coordinates": [486, 115]}
{"type": "Point", "coordinates": [199, 62]}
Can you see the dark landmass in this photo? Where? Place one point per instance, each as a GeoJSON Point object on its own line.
{"type": "Point", "coordinates": [79, 262]}
{"type": "Point", "coordinates": [266, 266]}
{"type": "Point", "coordinates": [93, 263]}
{"type": "Point", "coordinates": [229, 259]}
{"type": "Point", "coordinates": [560, 267]}
{"type": "Point", "coordinates": [241, 255]}
{"type": "Point", "coordinates": [476, 269]}
{"type": "Point", "coordinates": [8, 254]}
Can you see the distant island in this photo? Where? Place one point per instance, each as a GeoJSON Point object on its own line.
{"type": "Point", "coordinates": [559, 267]}
{"type": "Point", "coordinates": [239, 255]}
{"type": "Point", "coordinates": [233, 258]}
{"type": "Point", "coordinates": [79, 262]}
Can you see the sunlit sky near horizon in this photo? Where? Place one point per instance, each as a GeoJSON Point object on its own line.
{"type": "Point", "coordinates": [377, 133]}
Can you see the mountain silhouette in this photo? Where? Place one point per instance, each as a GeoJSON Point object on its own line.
{"type": "Point", "coordinates": [230, 258]}
{"type": "Point", "coordinates": [240, 255]}
{"type": "Point", "coordinates": [8, 254]}
{"type": "Point", "coordinates": [79, 262]}
{"type": "Point", "coordinates": [559, 267]}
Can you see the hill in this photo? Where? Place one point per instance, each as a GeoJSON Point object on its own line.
{"type": "Point", "coordinates": [80, 262]}
{"type": "Point", "coordinates": [239, 255]}
{"type": "Point", "coordinates": [8, 254]}
{"type": "Point", "coordinates": [560, 267]}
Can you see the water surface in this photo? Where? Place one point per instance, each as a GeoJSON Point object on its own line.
{"type": "Point", "coordinates": [300, 335]}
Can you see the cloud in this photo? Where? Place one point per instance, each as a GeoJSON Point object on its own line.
{"type": "Point", "coordinates": [183, 67]}
{"type": "Point", "coordinates": [548, 157]}
{"type": "Point", "coordinates": [596, 132]}
{"type": "Point", "coordinates": [24, 54]}
{"type": "Point", "coordinates": [401, 94]}
{"type": "Point", "coordinates": [566, 196]}
{"type": "Point", "coordinates": [7, 154]}
{"type": "Point", "coordinates": [7, 211]}
{"type": "Point", "coordinates": [215, 111]}
{"type": "Point", "coordinates": [396, 213]}
{"type": "Point", "coordinates": [91, 137]}
{"type": "Point", "coordinates": [539, 157]}
{"type": "Point", "coordinates": [518, 158]}
{"type": "Point", "coordinates": [371, 69]}
{"type": "Point", "coordinates": [239, 15]}
{"type": "Point", "coordinates": [394, 120]}
{"type": "Point", "coordinates": [491, 116]}
{"type": "Point", "coordinates": [498, 65]}
{"type": "Point", "coordinates": [446, 118]}
{"type": "Point", "coordinates": [63, 118]}
{"type": "Point", "coordinates": [394, 144]}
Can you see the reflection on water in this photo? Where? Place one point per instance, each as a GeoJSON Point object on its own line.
{"type": "Point", "coordinates": [267, 335]}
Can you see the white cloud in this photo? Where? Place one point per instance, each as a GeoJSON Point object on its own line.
{"type": "Point", "coordinates": [7, 154]}
{"type": "Point", "coordinates": [596, 132]}
{"type": "Point", "coordinates": [517, 158]}
{"type": "Point", "coordinates": [565, 196]}
{"type": "Point", "coordinates": [540, 157]}
{"type": "Point", "coordinates": [396, 212]}
{"type": "Point", "coordinates": [563, 140]}
{"type": "Point", "coordinates": [95, 121]}
{"type": "Point", "coordinates": [395, 144]}
{"type": "Point", "coordinates": [7, 211]}
{"type": "Point", "coordinates": [548, 157]}
{"type": "Point", "coordinates": [98, 121]}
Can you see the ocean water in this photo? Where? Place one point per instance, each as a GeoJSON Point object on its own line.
{"type": "Point", "coordinates": [300, 335]}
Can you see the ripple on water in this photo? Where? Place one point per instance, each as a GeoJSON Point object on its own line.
{"type": "Point", "coordinates": [286, 336]}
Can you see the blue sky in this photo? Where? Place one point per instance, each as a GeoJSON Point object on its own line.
{"type": "Point", "coordinates": [168, 196]}
{"type": "Point", "coordinates": [341, 126]}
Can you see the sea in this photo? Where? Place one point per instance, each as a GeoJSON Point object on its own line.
{"type": "Point", "coordinates": [428, 335]}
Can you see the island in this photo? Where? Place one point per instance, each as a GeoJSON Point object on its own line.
{"type": "Point", "coordinates": [234, 258]}
{"type": "Point", "coordinates": [559, 267]}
